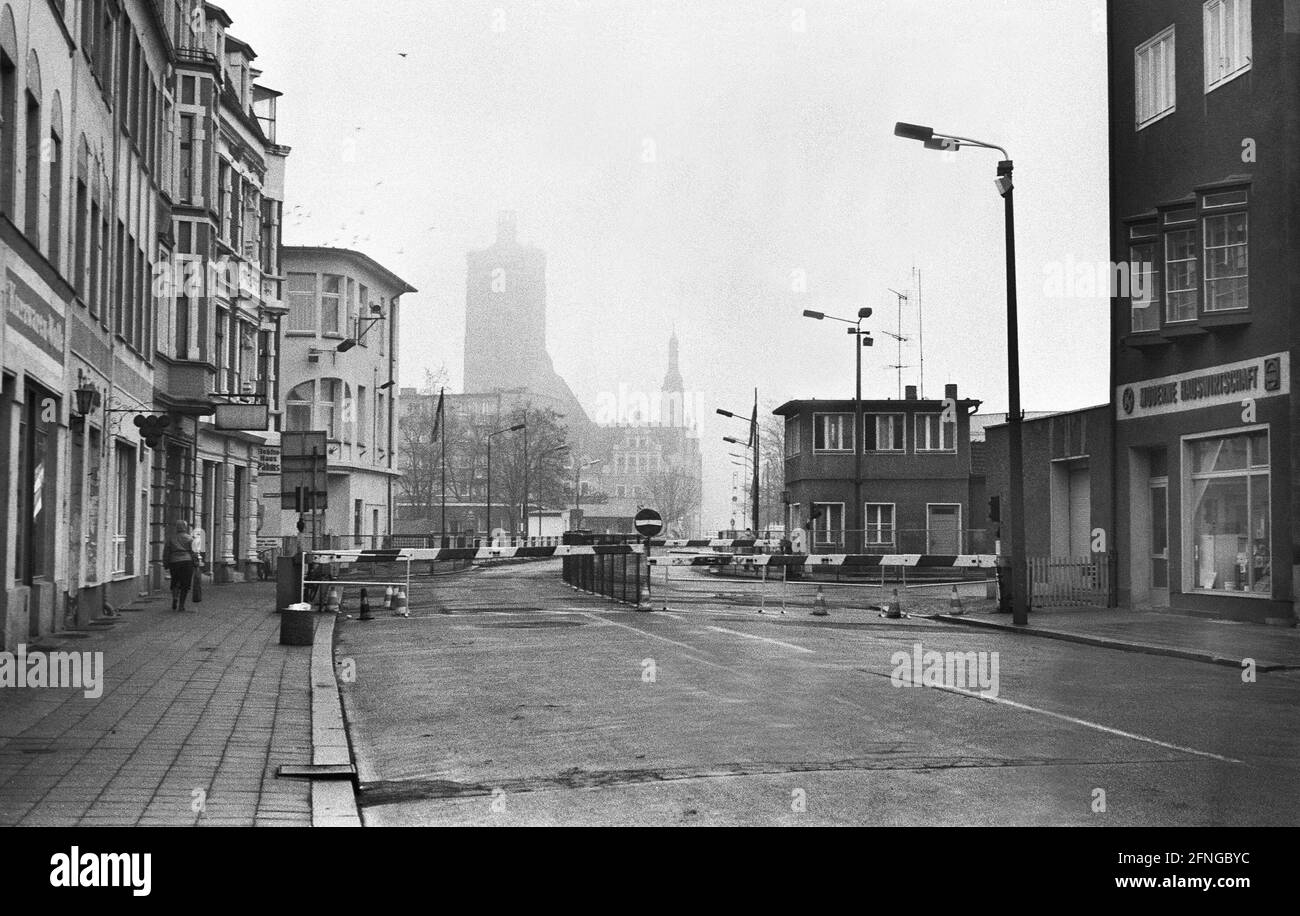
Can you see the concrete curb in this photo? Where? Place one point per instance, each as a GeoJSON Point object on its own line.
{"type": "Point", "coordinates": [333, 801]}
{"type": "Point", "coordinates": [1117, 644]}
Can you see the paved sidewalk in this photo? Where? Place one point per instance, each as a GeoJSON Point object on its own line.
{"type": "Point", "coordinates": [1204, 639]}
{"type": "Point", "coordinates": [198, 711]}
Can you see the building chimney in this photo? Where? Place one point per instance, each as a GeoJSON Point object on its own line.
{"type": "Point", "coordinates": [950, 391]}
{"type": "Point", "coordinates": [910, 392]}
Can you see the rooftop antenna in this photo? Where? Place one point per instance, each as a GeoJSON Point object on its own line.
{"type": "Point", "coordinates": [900, 365]}
{"type": "Point", "coordinates": [920, 322]}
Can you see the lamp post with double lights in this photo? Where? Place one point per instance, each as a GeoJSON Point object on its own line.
{"type": "Point", "coordinates": [1015, 460]}
{"type": "Point", "coordinates": [540, 455]}
{"type": "Point", "coordinates": [579, 466]}
{"type": "Point", "coordinates": [861, 339]}
{"type": "Point", "coordinates": [752, 445]}
{"type": "Point", "coordinates": [499, 432]}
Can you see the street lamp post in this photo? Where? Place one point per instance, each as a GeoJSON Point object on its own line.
{"type": "Point", "coordinates": [540, 455]}
{"type": "Point", "coordinates": [578, 466]}
{"type": "Point", "coordinates": [1015, 459]}
{"type": "Point", "coordinates": [860, 339]}
{"type": "Point", "coordinates": [511, 429]}
{"type": "Point", "coordinates": [753, 445]}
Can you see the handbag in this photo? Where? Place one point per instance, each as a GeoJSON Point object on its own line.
{"type": "Point", "coordinates": [196, 589]}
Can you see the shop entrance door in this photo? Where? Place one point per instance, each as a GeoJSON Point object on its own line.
{"type": "Point", "coordinates": [1159, 541]}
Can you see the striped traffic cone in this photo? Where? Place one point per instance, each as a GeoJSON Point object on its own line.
{"type": "Point", "coordinates": [643, 600]}
{"type": "Point", "coordinates": [388, 599]}
{"type": "Point", "coordinates": [954, 603]}
{"type": "Point", "coordinates": [366, 613]}
{"type": "Point", "coordinates": [819, 604]}
{"type": "Point", "coordinates": [399, 603]}
{"type": "Point", "coordinates": [332, 600]}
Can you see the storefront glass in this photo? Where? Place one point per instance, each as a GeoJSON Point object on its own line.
{"type": "Point", "coordinates": [1229, 492]}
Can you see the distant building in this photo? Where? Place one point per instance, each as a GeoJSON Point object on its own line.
{"type": "Point", "coordinates": [650, 459]}
{"type": "Point", "coordinates": [338, 362]}
{"type": "Point", "coordinates": [505, 325]}
{"type": "Point", "coordinates": [916, 474]}
{"type": "Point", "coordinates": [1205, 201]}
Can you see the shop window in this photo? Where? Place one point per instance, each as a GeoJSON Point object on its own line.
{"type": "Point", "coordinates": [124, 517]}
{"type": "Point", "coordinates": [1227, 503]}
{"type": "Point", "coordinates": [833, 432]}
{"type": "Point", "coordinates": [37, 474]}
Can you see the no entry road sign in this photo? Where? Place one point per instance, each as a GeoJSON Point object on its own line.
{"type": "Point", "coordinates": [648, 523]}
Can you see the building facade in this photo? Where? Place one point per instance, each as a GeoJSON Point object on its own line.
{"type": "Point", "coordinates": [339, 365]}
{"type": "Point", "coordinates": [1205, 204]}
{"type": "Point", "coordinates": [916, 474]}
{"type": "Point", "coordinates": [1068, 482]}
{"type": "Point", "coordinates": [218, 335]}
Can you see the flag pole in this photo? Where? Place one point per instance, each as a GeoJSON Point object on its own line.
{"type": "Point", "coordinates": [443, 432]}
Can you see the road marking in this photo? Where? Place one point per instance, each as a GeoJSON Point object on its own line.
{"type": "Point", "coordinates": [975, 694]}
{"type": "Point", "coordinates": [775, 642]}
{"type": "Point", "coordinates": [694, 650]}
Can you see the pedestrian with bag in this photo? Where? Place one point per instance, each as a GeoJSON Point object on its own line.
{"type": "Point", "coordinates": [180, 563]}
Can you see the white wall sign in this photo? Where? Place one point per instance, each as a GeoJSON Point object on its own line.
{"type": "Point", "coordinates": [1231, 383]}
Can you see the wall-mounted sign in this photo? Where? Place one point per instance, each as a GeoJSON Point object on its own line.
{"type": "Point", "coordinates": [268, 457]}
{"type": "Point", "coordinates": [1231, 383]}
{"type": "Point", "coordinates": [243, 416]}
{"type": "Point", "coordinates": [32, 317]}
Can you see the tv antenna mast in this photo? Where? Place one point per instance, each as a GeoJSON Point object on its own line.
{"type": "Point", "coordinates": [900, 365]}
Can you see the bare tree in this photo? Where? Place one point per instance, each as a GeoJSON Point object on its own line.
{"type": "Point", "coordinates": [676, 496]}
{"type": "Point", "coordinates": [548, 479]}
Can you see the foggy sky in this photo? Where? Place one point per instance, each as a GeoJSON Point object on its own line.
{"type": "Point", "coordinates": [681, 162]}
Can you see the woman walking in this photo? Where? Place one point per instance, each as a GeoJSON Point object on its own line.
{"type": "Point", "coordinates": [180, 563]}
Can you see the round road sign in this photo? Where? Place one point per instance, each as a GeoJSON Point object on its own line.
{"type": "Point", "coordinates": [648, 522]}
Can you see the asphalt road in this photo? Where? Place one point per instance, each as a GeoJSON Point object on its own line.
{"type": "Point", "coordinates": [508, 698]}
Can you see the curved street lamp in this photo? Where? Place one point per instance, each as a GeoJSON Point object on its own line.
{"type": "Point", "coordinates": [1015, 460]}
{"type": "Point", "coordinates": [499, 432]}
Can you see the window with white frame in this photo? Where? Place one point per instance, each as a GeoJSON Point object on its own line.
{"type": "Point", "coordinates": [302, 302]}
{"type": "Point", "coordinates": [330, 302]}
{"type": "Point", "coordinates": [1226, 507]}
{"type": "Point", "coordinates": [828, 527]}
{"type": "Point", "coordinates": [1227, 41]}
{"type": "Point", "coordinates": [124, 517]}
{"type": "Point", "coordinates": [1144, 278]}
{"type": "Point", "coordinates": [297, 407]}
{"type": "Point", "coordinates": [933, 434]}
{"type": "Point", "coordinates": [1153, 63]}
{"type": "Point", "coordinates": [1227, 279]}
{"type": "Point", "coordinates": [1182, 278]}
{"type": "Point", "coordinates": [884, 432]}
{"type": "Point", "coordinates": [880, 524]}
{"type": "Point", "coordinates": [832, 432]}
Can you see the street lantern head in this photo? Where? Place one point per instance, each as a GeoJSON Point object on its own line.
{"type": "Point", "coordinates": [868, 341]}
{"type": "Point", "coordinates": [516, 428]}
{"type": "Point", "coordinates": [725, 413]}
{"type": "Point", "coordinates": [345, 346]}
{"type": "Point", "coordinates": [809, 313]}
{"type": "Point", "coordinates": [913, 131]}
{"type": "Point", "coordinates": [864, 312]}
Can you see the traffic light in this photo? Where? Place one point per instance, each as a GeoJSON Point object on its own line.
{"type": "Point", "coordinates": [995, 508]}
{"type": "Point", "coordinates": [152, 428]}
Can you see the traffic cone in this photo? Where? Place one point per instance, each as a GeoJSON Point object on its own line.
{"type": "Point", "coordinates": [388, 599]}
{"type": "Point", "coordinates": [954, 603]}
{"type": "Point", "coordinates": [365, 607]}
{"type": "Point", "coordinates": [894, 609]}
{"type": "Point", "coordinates": [819, 604]}
{"type": "Point", "coordinates": [643, 600]}
{"type": "Point", "coordinates": [399, 603]}
{"type": "Point", "coordinates": [332, 600]}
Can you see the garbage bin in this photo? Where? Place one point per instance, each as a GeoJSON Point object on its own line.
{"type": "Point", "coordinates": [297, 625]}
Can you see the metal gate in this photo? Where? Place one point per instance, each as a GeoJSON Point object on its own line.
{"type": "Point", "coordinates": [1072, 581]}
